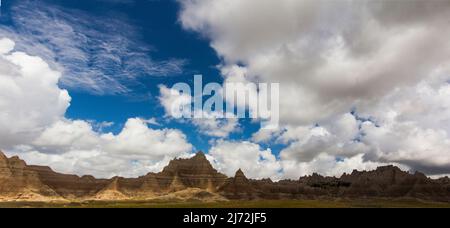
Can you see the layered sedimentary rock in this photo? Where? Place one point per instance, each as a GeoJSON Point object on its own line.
{"type": "Point", "coordinates": [239, 187]}
{"type": "Point", "coordinates": [195, 178]}
{"type": "Point", "coordinates": [69, 186]}
{"type": "Point", "coordinates": [178, 175]}
{"type": "Point", "coordinates": [390, 181]}
{"type": "Point", "coordinates": [111, 192]}
{"type": "Point", "coordinates": [18, 181]}
{"type": "Point", "coordinates": [196, 172]}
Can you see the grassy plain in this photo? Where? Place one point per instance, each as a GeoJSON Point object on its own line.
{"type": "Point", "coordinates": [338, 203]}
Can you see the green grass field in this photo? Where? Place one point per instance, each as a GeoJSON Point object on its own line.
{"type": "Point", "coordinates": [344, 203]}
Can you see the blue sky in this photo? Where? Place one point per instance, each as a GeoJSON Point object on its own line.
{"type": "Point", "coordinates": [159, 28]}
{"type": "Point", "coordinates": [155, 25]}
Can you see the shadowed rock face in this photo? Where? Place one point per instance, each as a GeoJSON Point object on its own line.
{"type": "Point", "coordinates": [69, 186]}
{"type": "Point", "coordinates": [19, 181]}
{"type": "Point", "coordinates": [390, 181]}
{"type": "Point", "coordinates": [196, 172]}
{"type": "Point", "coordinates": [238, 187]}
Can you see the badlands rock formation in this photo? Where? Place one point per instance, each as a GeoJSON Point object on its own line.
{"type": "Point", "coordinates": [195, 178]}
{"type": "Point", "coordinates": [19, 181]}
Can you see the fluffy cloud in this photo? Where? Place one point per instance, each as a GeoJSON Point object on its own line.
{"type": "Point", "coordinates": [414, 128]}
{"type": "Point", "coordinates": [65, 135]}
{"type": "Point", "coordinates": [175, 103]}
{"type": "Point", "coordinates": [30, 98]}
{"type": "Point", "coordinates": [229, 156]}
{"type": "Point", "coordinates": [140, 142]}
{"type": "Point", "coordinates": [134, 141]}
{"type": "Point", "coordinates": [33, 126]}
{"type": "Point", "coordinates": [330, 55]}
{"type": "Point", "coordinates": [254, 161]}
{"type": "Point", "coordinates": [136, 150]}
{"type": "Point", "coordinates": [338, 138]}
{"type": "Point", "coordinates": [212, 123]}
{"type": "Point", "coordinates": [6, 46]}
{"type": "Point", "coordinates": [385, 59]}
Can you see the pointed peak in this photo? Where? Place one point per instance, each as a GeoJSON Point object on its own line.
{"type": "Point", "coordinates": [16, 160]}
{"type": "Point", "coordinates": [3, 160]}
{"type": "Point", "coordinates": [2, 155]}
{"type": "Point", "coordinates": [420, 175]}
{"type": "Point", "coordinates": [240, 173]}
{"type": "Point", "coordinates": [200, 155]}
{"type": "Point", "coordinates": [240, 177]}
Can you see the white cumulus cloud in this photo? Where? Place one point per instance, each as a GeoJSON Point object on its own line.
{"type": "Point", "coordinates": [254, 161]}
{"type": "Point", "coordinates": [33, 126]}
{"type": "Point", "coordinates": [385, 59]}
{"type": "Point", "coordinates": [212, 123]}
{"type": "Point", "coordinates": [30, 98]}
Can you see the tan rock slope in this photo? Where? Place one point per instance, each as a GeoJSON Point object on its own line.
{"type": "Point", "coordinates": [196, 179]}
{"type": "Point", "coordinates": [19, 181]}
